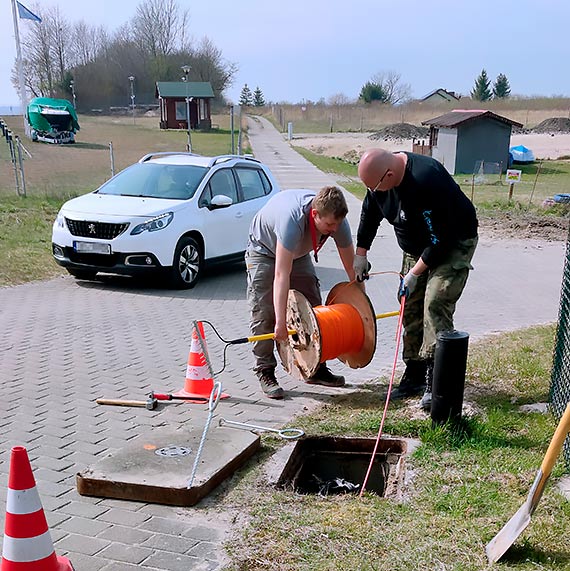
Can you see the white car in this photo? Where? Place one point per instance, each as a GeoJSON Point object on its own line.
{"type": "Point", "coordinates": [169, 212]}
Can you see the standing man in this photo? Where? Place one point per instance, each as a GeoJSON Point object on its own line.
{"type": "Point", "coordinates": [436, 227]}
{"type": "Point", "coordinates": [282, 235]}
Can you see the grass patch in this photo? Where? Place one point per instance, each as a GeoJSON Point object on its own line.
{"type": "Point", "coordinates": [467, 480]}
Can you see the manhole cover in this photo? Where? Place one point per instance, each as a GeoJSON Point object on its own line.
{"type": "Point", "coordinates": [174, 451]}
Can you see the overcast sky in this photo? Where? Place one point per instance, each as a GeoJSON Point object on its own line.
{"type": "Point", "coordinates": [310, 49]}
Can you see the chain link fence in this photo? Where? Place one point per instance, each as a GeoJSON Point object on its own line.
{"type": "Point", "coordinates": [560, 381]}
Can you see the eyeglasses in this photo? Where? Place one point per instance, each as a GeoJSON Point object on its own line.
{"type": "Point", "coordinates": [379, 182]}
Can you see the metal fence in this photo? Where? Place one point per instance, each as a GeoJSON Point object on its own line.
{"type": "Point", "coordinates": [560, 381]}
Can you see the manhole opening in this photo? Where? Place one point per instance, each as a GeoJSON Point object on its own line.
{"type": "Point", "coordinates": [329, 465]}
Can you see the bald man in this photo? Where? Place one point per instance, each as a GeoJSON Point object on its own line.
{"type": "Point", "coordinates": [436, 227]}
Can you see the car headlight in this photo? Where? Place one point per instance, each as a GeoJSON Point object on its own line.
{"type": "Point", "coordinates": [154, 224]}
{"type": "Point", "coordinates": [60, 220]}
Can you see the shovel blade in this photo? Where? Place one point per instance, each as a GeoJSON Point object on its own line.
{"type": "Point", "coordinates": [499, 545]}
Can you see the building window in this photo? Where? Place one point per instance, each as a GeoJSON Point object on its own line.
{"type": "Point", "coordinates": [181, 110]}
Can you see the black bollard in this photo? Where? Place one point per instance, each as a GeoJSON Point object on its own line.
{"type": "Point", "coordinates": [450, 363]}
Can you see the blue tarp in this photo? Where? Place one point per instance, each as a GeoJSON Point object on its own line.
{"type": "Point", "coordinates": [521, 154]}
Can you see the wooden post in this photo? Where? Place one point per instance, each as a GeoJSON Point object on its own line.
{"type": "Point", "coordinates": [511, 188]}
{"type": "Point", "coordinates": [534, 185]}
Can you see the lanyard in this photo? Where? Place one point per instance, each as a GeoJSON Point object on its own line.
{"type": "Point", "coordinates": [316, 247]}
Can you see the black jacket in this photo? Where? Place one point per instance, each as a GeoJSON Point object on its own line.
{"type": "Point", "coordinates": [429, 212]}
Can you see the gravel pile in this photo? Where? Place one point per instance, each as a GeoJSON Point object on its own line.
{"type": "Point", "coordinates": [400, 131]}
{"type": "Point", "coordinates": [553, 125]}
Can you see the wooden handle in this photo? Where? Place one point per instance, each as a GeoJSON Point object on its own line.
{"type": "Point", "coordinates": [556, 443]}
{"type": "Point", "coordinates": [119, 402]}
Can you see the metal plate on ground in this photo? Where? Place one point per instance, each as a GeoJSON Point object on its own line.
{"type": "Point", "coordinates": [138, 473]}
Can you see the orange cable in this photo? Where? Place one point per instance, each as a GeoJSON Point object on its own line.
{"type": "Point", "coordinates": [342, 330]}
{"type": "Point", "coordinates": [398, 337]}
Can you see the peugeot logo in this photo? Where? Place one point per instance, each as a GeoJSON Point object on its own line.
{"type": "Point", "coordinates": [91, 228]}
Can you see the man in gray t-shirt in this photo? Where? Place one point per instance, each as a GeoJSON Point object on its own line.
{"type": "Point", "coordinates": [282, 235]}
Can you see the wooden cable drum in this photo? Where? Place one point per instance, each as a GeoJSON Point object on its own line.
{"type": "Point", "coordinates": [344, 328]}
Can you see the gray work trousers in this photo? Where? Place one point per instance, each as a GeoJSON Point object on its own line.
{"type": "Point", "coordinates": [431, 305]}
{"type": "Point", "coordinates": [260, 276]}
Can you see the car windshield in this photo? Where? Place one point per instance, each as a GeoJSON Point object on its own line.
{"type": "Point", "coordinates": [152, 180]}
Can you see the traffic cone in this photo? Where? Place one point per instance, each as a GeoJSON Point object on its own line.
{"type": "Point", "coordinates": [27, 540]}
{"type": "Point", "coordinates": [199, 381]}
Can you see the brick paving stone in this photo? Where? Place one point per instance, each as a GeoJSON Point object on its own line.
{"type": "Point", "coordinates": [168, 526]}
{"type": "Point", "coordinates": [83, 509]}
{"type": "Point", "coordinates": [124, 517]}
{"type": "Point", "coordinates": [84, 526]}
{"type": "Point", "coordinates": [82, 562]}
{"type": "Point", "coordinates": [75, 543]}
{"type": "Point", "coordinates": [127, 553]}
{"type": "Point", "coordinates": [127, 535]}
{"type": "Point", "coordinates": [174, 543]}
{"type": "Point", "coordinates": [168, 561]}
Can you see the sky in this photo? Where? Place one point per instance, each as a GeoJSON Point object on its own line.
{"type": "Point", "coordinates": [305, 50]}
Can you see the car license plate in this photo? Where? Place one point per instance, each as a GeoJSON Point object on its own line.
{"type": "Point", "coordinates": [92, 247]}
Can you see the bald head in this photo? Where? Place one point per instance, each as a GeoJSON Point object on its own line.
{"type": "Point", "coordinates": [379, 169]}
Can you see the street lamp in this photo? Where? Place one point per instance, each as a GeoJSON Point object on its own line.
{"type": "Point", "coordinates": [186, 70]}
{"type": "Point", "coordinates": [132, 80]}
{"type": "Point", "coordinates": [72, 87]}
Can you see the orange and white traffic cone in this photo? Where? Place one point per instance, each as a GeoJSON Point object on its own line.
{"type": "Point", "coordinates": [199, 381]}
{"type": "Point", "coordinates": [27, 540]}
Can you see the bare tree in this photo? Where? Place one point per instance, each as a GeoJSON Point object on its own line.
{"type": "Point", "coordinates": [208, 64]}
{"type": "Point", "coordinates": [87, 42]}
{"type": "Point", "coordinates": [391, 84]}
{"type": "Point", "coordinates": [339, 99]}
{"type": "Point", "coordinates": [159, 26]}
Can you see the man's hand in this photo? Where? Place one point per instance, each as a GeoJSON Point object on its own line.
{"type": "Point", "coordinates": [280, 332]}
{"type": "Point", "coordinates": [409, 284]}
{"type": "Point", "coordinates": [361, 267]}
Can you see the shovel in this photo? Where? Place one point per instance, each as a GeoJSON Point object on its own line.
{"type": "Point", "coordinates": [498, 546]}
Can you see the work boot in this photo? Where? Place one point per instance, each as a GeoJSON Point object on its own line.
{"type": "Point", "coordinates": [413, 380]}
{"type": "Point", "coordinates": [269, 384]}
{"type": "Point", "coordinates": [325, 377]}
{"type": "Point", "coordinates": [425, 402]}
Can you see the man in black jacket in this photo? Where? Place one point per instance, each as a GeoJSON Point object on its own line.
{"type": "Point", "coordinates": [436, 227]}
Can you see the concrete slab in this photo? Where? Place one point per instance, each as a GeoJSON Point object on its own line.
{"type": "Point", "coordinates": [157, 467]}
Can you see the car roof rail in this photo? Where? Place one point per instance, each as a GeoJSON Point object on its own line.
{"type": "Point", "coordinates": [224, 158]}
{"type": "Point", "coordinates": [150, 156]}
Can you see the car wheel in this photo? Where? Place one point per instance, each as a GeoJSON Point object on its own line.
{"type": "Point", "coordinates": [83, 274]}
{"type": "Point", "coordinates": [187, 264]}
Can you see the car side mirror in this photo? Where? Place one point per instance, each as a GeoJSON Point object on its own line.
{"type": "Point", "coordinates": [220, 201]}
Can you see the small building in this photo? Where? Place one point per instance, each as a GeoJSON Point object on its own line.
{"type": "Point", "coordinates": [440, 96]}
{"type": "Point", "coordinates": [172, 96]}
{"type": "Point", "coordinates": [460, 138]}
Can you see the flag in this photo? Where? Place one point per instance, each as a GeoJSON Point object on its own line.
{"type": "Point", "coordinates": [26, 14]}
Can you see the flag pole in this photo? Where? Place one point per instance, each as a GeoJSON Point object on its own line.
{"type": "Point", "coordinates": [20, 66]}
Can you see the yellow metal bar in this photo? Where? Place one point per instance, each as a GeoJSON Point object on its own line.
{"type": "Point", "coordinates": [387, 314]}
{"type": "Point", "coordinates": [267, 336]}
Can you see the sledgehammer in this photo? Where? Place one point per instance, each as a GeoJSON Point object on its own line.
{"type": "Point", "coordinates": [149, 404]}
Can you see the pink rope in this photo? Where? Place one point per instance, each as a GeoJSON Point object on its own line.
{"type": "Point", "coordinates": [398, 336]}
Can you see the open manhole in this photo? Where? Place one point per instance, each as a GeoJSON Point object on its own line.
{"type": "Point", "coordinates": [327, 465]}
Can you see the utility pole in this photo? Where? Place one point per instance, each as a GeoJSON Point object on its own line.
{"type": "Point", "coordinates": [186, 70]}
{"type": "Point", "coordinates": [132, 80]}
{"type": "Point", "coordinates": [72, 87]}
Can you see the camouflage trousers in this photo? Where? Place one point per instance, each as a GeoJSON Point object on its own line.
{"type": "Point", "coordinates": [431, 305]}
{"type": "Point", "coordinates": [260, 276]}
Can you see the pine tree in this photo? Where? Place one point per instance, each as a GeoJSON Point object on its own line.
{"type": "Point", "coordinates": [246, 97]}
{"type": "Point", "coordinates": [501, 87]}
{"type": "Point", "coordinates": [373, 92]}
{"type": "Point", "coordinates": [481, 91]}
{"type": "Point", "coordinates": [258, 99]}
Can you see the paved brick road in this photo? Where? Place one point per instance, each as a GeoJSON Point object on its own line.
{"type": "Point", "coordinates": [65, 343]}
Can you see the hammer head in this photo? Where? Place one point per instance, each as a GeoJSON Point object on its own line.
{"type": "Point", "coordinates": [151, 402]}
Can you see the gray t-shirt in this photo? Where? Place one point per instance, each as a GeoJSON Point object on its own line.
{"type": "Point", "coordinates": [285, 219]}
